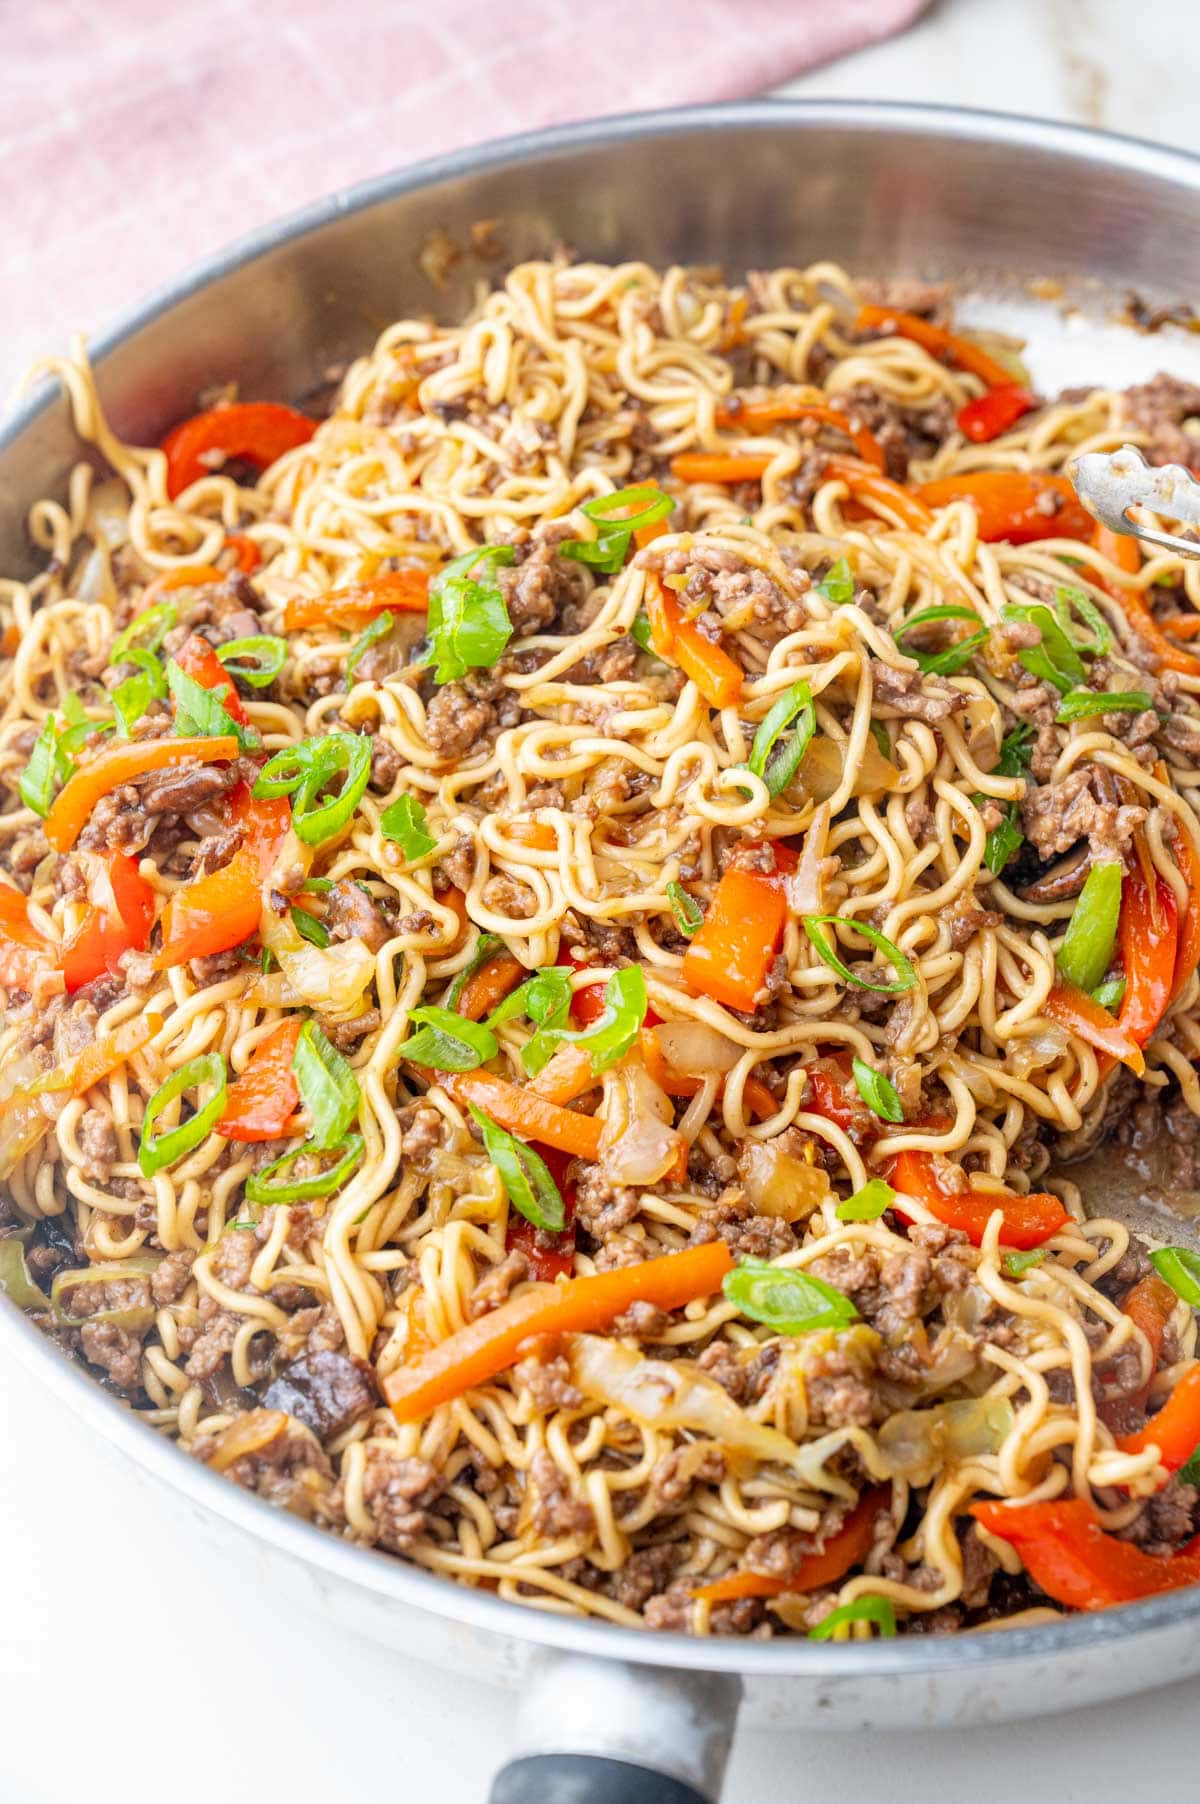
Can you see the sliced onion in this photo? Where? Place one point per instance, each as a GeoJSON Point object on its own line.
{"type": "Point", "coordinates": [638, 1146]}
{"type": "Point", "coordinates": [249, 1434]}
{"type": "Point", "coordinates": [120, 1271]}
{"type": "Point", "coordinates": [332, 978]}
{"type": "Point", "coordinates": [672, 1394]}
{"type": "Point", "coordinates": [696, 1049]}
{"type": "Point", "coordinates": [108, 515]}
{"type": "Point", "coordinates": [824, 767]}
{"type": "Point", "coordinates": [778, 1183]}
{"type": "Point", "coordinates": [917, 1443]}
{"type": "Point", "coordinates": [805, 891]}
{"type": "Point", "coordinates": [93, 580]}
{"type": "Point", "coordinates": [1034, 1051]}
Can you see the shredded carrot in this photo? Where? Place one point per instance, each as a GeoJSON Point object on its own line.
{"type": "Point", "coordinates": [488, 987]}
{"type": "Point", "coordinates": [566, 1076]}
{"type": "Point", "coordinates": [522, 1111]}
{"type": "Point", "coordinates": [848, 1547]}
{"type": "Point", "coordinates": [733, 950]}
{"type": "Point", "coordinates": [395, 591]}
{"type": "Point", "coordinates": [781, 405]}
{"type": "Point", "coordinates": [72, 807]}
{"type": "Point", "coordinates": [493, 1342]}
{"type": "Point", "coordinates": [869, 486]}
{"type": "Point", "coordinates": [703, 662]}
{"type": "Point", "coordinates": [539, 836]}
{"type": "Point", "coordinates": [946, 346]}
{"type": "Point", "coordinates": [719, 466]}
{"type": "Point", "coordinates": [1073, 1009]}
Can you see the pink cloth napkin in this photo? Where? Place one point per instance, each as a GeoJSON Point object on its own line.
{"type": "Point", "coordinates": [136, 136]}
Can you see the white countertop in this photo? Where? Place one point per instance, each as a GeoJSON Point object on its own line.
{"type": "Point", "coordinates": [119, 1641]}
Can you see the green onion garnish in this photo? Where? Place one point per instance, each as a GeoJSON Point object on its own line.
{"type": "Point", "coordinates": [776, 760]}
{"type": "Point", "coordinates": [1055, 660]}
{"type": "Point", "coordinates": [257, 660]}
{"type": "Point", "coordinates": [528, 1185]}
{"type": "Point", "coordinates": [147, 630]}
{"type": "Point", "coordinates": [200, 710]}
{"type": "Point", "coordinates": [310, 928]}
{"type": "Point", "coordinates": [469, 625]}
{"type": "Point", "coordinates": [689, 916]}
{"type": "Point", "coordinates": [952, 659]}
{"type": "Point", "coordinates": [404, 822]}
{"type": "Point", "coordinates": [639, 631]}
{"type": "Point", "coordinates": [48, 768]}
{"type": "Point", "coordinates": [328, 1088]}
{"type": "Point", "coordinates": [1067, 601]}
{"type": "Point", "coordinates": [906, 976]}
{"type": "Point", "coordinates": [448, 1042]}
{"type": "Point", "coordinates": [1180, 1268]}
{"type": "Point", "coordinates": [1082, 704]}
{"type": "Point", "coordinates": [608, 550]}
{"type": "Point", "coordinates": [879, 1610]}
{"type": "Point", "coordinates": [867, 1204]}
{"type": "Point", "coordinates": [545, 998]}
{"type": "Point", "coordinates": [1086, 950]}
{"type": "Point", "coordinates": [1003, 842]}
{"type": "Point", "coordinates": [788, 1302]}
{"type": "Point", "coordinates": [157, 1151]}
{"type": "Point", "coordinates": [1017, 1264]}
{"type": "Point", "coordinates": [379, 629]}
{"type": "Point", "coordinates": [877, 1091]}
{"type": "Point", "coordinates": [131, 698]}
{"type": "Point", "coordinates": [306, 772]}
{"type": "Point", "coordinates": [837, 584]}
{"type": "Point", "coordinates": [272, 1185]}
{"type": "Point", "coordinates": [486, 947]}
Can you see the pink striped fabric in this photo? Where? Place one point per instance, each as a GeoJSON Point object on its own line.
{"type": "Point", "coordinates": [138, 135]}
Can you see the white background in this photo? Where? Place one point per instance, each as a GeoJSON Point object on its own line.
{"type": "Point", "coordinates": [131, 1669]}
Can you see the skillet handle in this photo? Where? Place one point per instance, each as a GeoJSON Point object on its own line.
{"type": "Point", "coordinates": [592, 1731]}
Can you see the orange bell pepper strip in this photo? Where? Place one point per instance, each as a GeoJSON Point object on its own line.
{"type": "Point", "coordinates": [183, 576]}
{"type": "Point", "coordinates": [679, 641]}
{"type": "Point", "coordinates": [197, 659]}
{"type": "Point", "coordinates": [488, 987]}
{"type": "Point", "coordinates": [987, 416]}
{"type": "Point", "coordinates": [946, 346]}
{"type": "Point", "coordinates": [1123, 551]}
{"type": "Point", "coordinates": [733, 950]}
{"type": "Point", "coordinates": [1027, 1220]}
{"type": "Point", "coordinates": [758, 1098]}
{"type": "Point", "coordinates": [781, 406]}
{"type": "Point", "coordinates": [1175, 1430]}
{"type": "Point", "coordinates": [106, 934]}
{"type": "Point", "coordinates": [255, 432]}
{"type": "Point", "coordinates": [848, 1547]}
{"type": "Point", "coordinates": [117, 765]}
{"type": "Point", "coordinates": [870, 486]}
{"type": "Point", "coordinates": [246, 554]}
{"type": "Point", "coordinates": [394, 591]}
{"type": "Point", "coordinates": [720, 466]}
{"type": "Point", "coordinates": [24, 953]}
{"type": "Point", "coordinates": [260, 1103]}
{"type": "Point", "coordinates": [1013, 504]}
{"type": "Point", "coordinates": [1187, 951]}
{"type": "Point", "coordinates": [217, 912]}
{"type": "Point", "coordinates": [1066, 1551]}
{"type": "Point", "coordinates": [646, 535]}
{"type": "Point", "coordinates": [1082, 1016]}
{"type": "Point", "coordinates": [492, 1343]}
{"type": "Point", "coordinates": [522, 1111]}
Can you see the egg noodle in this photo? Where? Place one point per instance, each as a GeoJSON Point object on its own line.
{"type": "Point", "coordinates": [580, 793]}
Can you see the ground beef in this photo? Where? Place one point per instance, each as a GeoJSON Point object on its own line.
{"type": "Point", "coordinates": [601, 1207]}
{"type": "Point", "coordinates": [1167, 1520]}
{"type": "Point", "coordinates": [647, 1570]}
{"type": "Point", "coordinates": [616, 663]}
{"type": "Point", "coordinates": [386, 765]}
{"type": "Point", "coordinates": [115, 1346]}
{"type": "Point", "coordinates": [98, 1144]}
{"type": "Point", "coordinates": [420, 1132]}
{"type": "Point", "coordinates": [399, 1494]}
{"type": "Point", "coordinates": [216, 851]}
{"type": "Point", "coordinates": [463, 718]}
{"type": "Point", "coordinates": [745, 1374]}
{"type": "Point", "coordinates": [677, 1472]}
{"type": "Point", "coordinates": [1085, 805]}
{"type": "Point", "coordinates": [209, 1342]}
{"type": "Point", "coordinates": [965, 918]}
{"type": "Point", "coordinates": [172, 1277]}
{"type": "Point", "coordinates": [537, 585]}
{"type": "Point", "coordinates": [126, 818]}
{"type": "Point", "coordinates": [723, 586]}
{"type": "Point", "coordinates": [838, 1394]}
{"type": "Point", "coordinates": [904, 433]}
{"type": "Point", "coordinates": [891, 1291]}
{"type": "Point", "coordinates": [508, 896]}
{"type": "Point", "coordinates": [732, 1218]}
{"type": "Point", "coordinates": [1038, 703]}
{"type": "Point", "coordinates": [674, 1609]}
{"type": "Point", "coordinates": [979, 1566]}
{"type": "Point", "coordinates": [548, 1382]}
{"type": "Point", "coordinates": [327, 1391]}
{"type": "Point", "coordinates": [493, 1288]}
{"type": "Point", "coordinates": [345, 1035]}
{"type": "Point", "coordinates": [1159, 408]}
{"type": "Point", "coordinates": [554, 1509]}
{"type": "Point", "coordinates": [1182, 733]}
{"type": "Point", "coordinates": [291, 1471]}
{"type": "Point", "coordinates": [914, 695]}
{"type": "Point", "coordinates": [352, 914]}
{"type": "Point", "coordinates": [642, 1321]}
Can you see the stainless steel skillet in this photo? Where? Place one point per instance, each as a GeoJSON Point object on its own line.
{"type": "Point", "coordinates": [997, 203]}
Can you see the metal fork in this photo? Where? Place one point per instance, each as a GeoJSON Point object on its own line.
{"type": "Point", "coordinates": [1109, 483]}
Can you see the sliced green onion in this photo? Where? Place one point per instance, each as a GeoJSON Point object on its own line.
{"type": "Point", "coordinates": [1055, 660]}
{"type": "Point", "coordinates": [787, 1302]}
{"type": "Point", "coordinates": [776, 761]}
{"type": "Point", "coordinates": [639, 630]}
{"type": "Point", "coordinates": [952, 659]}
{"type": "Point", "coordinates": [448, 1042]}
{"type": "Point", "coordinates": [131, 698]}
{"type": "Point", "coordinates": [15, 1281]}
{"type": "Point", "coordinates": [379, 629]}
{"type": "Point", "coordinates": [1082, 704]}
{"type": "Point", "coordinates": [877, 1091]}
{"type": "Point", "coordinates": [404, 821]}
{"type": "Point", "coordinates": [882, 737]}
{"type": "Point", "coordinates": [1086, 950]}
{"type": "Point", "coordinates": [158, 1151]}
{"type": "Point", "coordinates": [47, 769]}
{"type": "Point", "coordinates": [200, 710]}
{"type": "Point", "coordinates": [147, 630]}
{"type": "Point", "coordinates": [328, 1088]}
{"type": "Point", "coordinates": [837, 584]}
{"type": "Point", "coordinates": [609, 549]}
{"type": "Point", "coordinates": [1017, 1264]}
{"type": "Point", "coordinates": [1189, 1474]}
{"type": "Point", "coordinates": [689, 916]}
{"type": "Point", "coordinates": [528, 1185]}
{"type": "Point", "coordinates": [272, 1185]}
{"type": "Point", "coordinates": [1068, 600]}
{"type": "Point", "coordinates": [611, 1035]}
{"type": "Point", "coordinates": [906, 976]}
{"type": "Point", "coordinates": [879, 1610]}
{"type": "Point", "coordinates": [307, 770]}
{"type": "Point", "coordinates": [1005, 841]}
{"type": "Point", "coordinates": [486, 947]}
{"type": "Point", "coordinates": [545, 998]}
{"type": "Point", "coordinates": [1180, 1268]}
{"type": "Point", "coordinates": [469, 625]}
{"type": "Point", "coordinates": [310, 928]}
{"type": "Point", "coordinates": [1110, 994]}
{"type": "Point", "coordinates": [867, 1204]}
{"type": "Point", "coordinates": [257, 660]}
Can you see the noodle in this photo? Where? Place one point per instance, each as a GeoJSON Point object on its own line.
{"type": "Point", "coordinates": [570, 793]}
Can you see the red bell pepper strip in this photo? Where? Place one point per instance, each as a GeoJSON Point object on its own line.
{"type": "Point", "coordinates": [395, 591]}
{"type": "Point", "coordinates": [197, 659]}
{"type": "Point", "coordinates": [781, 406]}
{"type": "Point", "coordinates": [1149, 949]}
{"type": "Point", "coordinates": [987, 416]}
{"type": "Point", "coordinates": [24, 953]}
{"type": "Point", "coordinates": [493, 1342]}
{"type": "Point", "coordinates": [1123, 551]}
{"type": "Point", "coordinates": [107, 933]}
{"type": "Point", "coordinates": [1066, 1551]}
{"type": "Point", "coordinates": [218, 912]}
{"type": "Point", "coordinates": [1017, 505]}
{"type": "Point", "coordinates": [259, 1105]}
{"type": "Point", "coordinates": [256, 432]}
{"type": "Point", "coordinates": [1083, 1016]}
{"type": "Point", "coordinates": [1187, 952]}
{"type": "Point", "coordinates": [246, 554]}
{"type": "Point", "coordinates": [679, 641]}
{"type": "Point", "coordinates": [948, 347]}
{"type": "Point", "coordinates": [734, 948]}
{"type": "Point", "coordinates": [1175, 1430]}
{"type": "Point", "coordinates": [587, 1002]}
{"type": "Point", "coordinates": [549, 1256]}
{"type": "Point", "coordinates": [1027, 1220]}
{"type": "Point", "coordinates": [119, 764]}
{"type": "Point", "coordinates": [848, 1547]}
{"type": "Point", "coordinates": [869, 486]}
